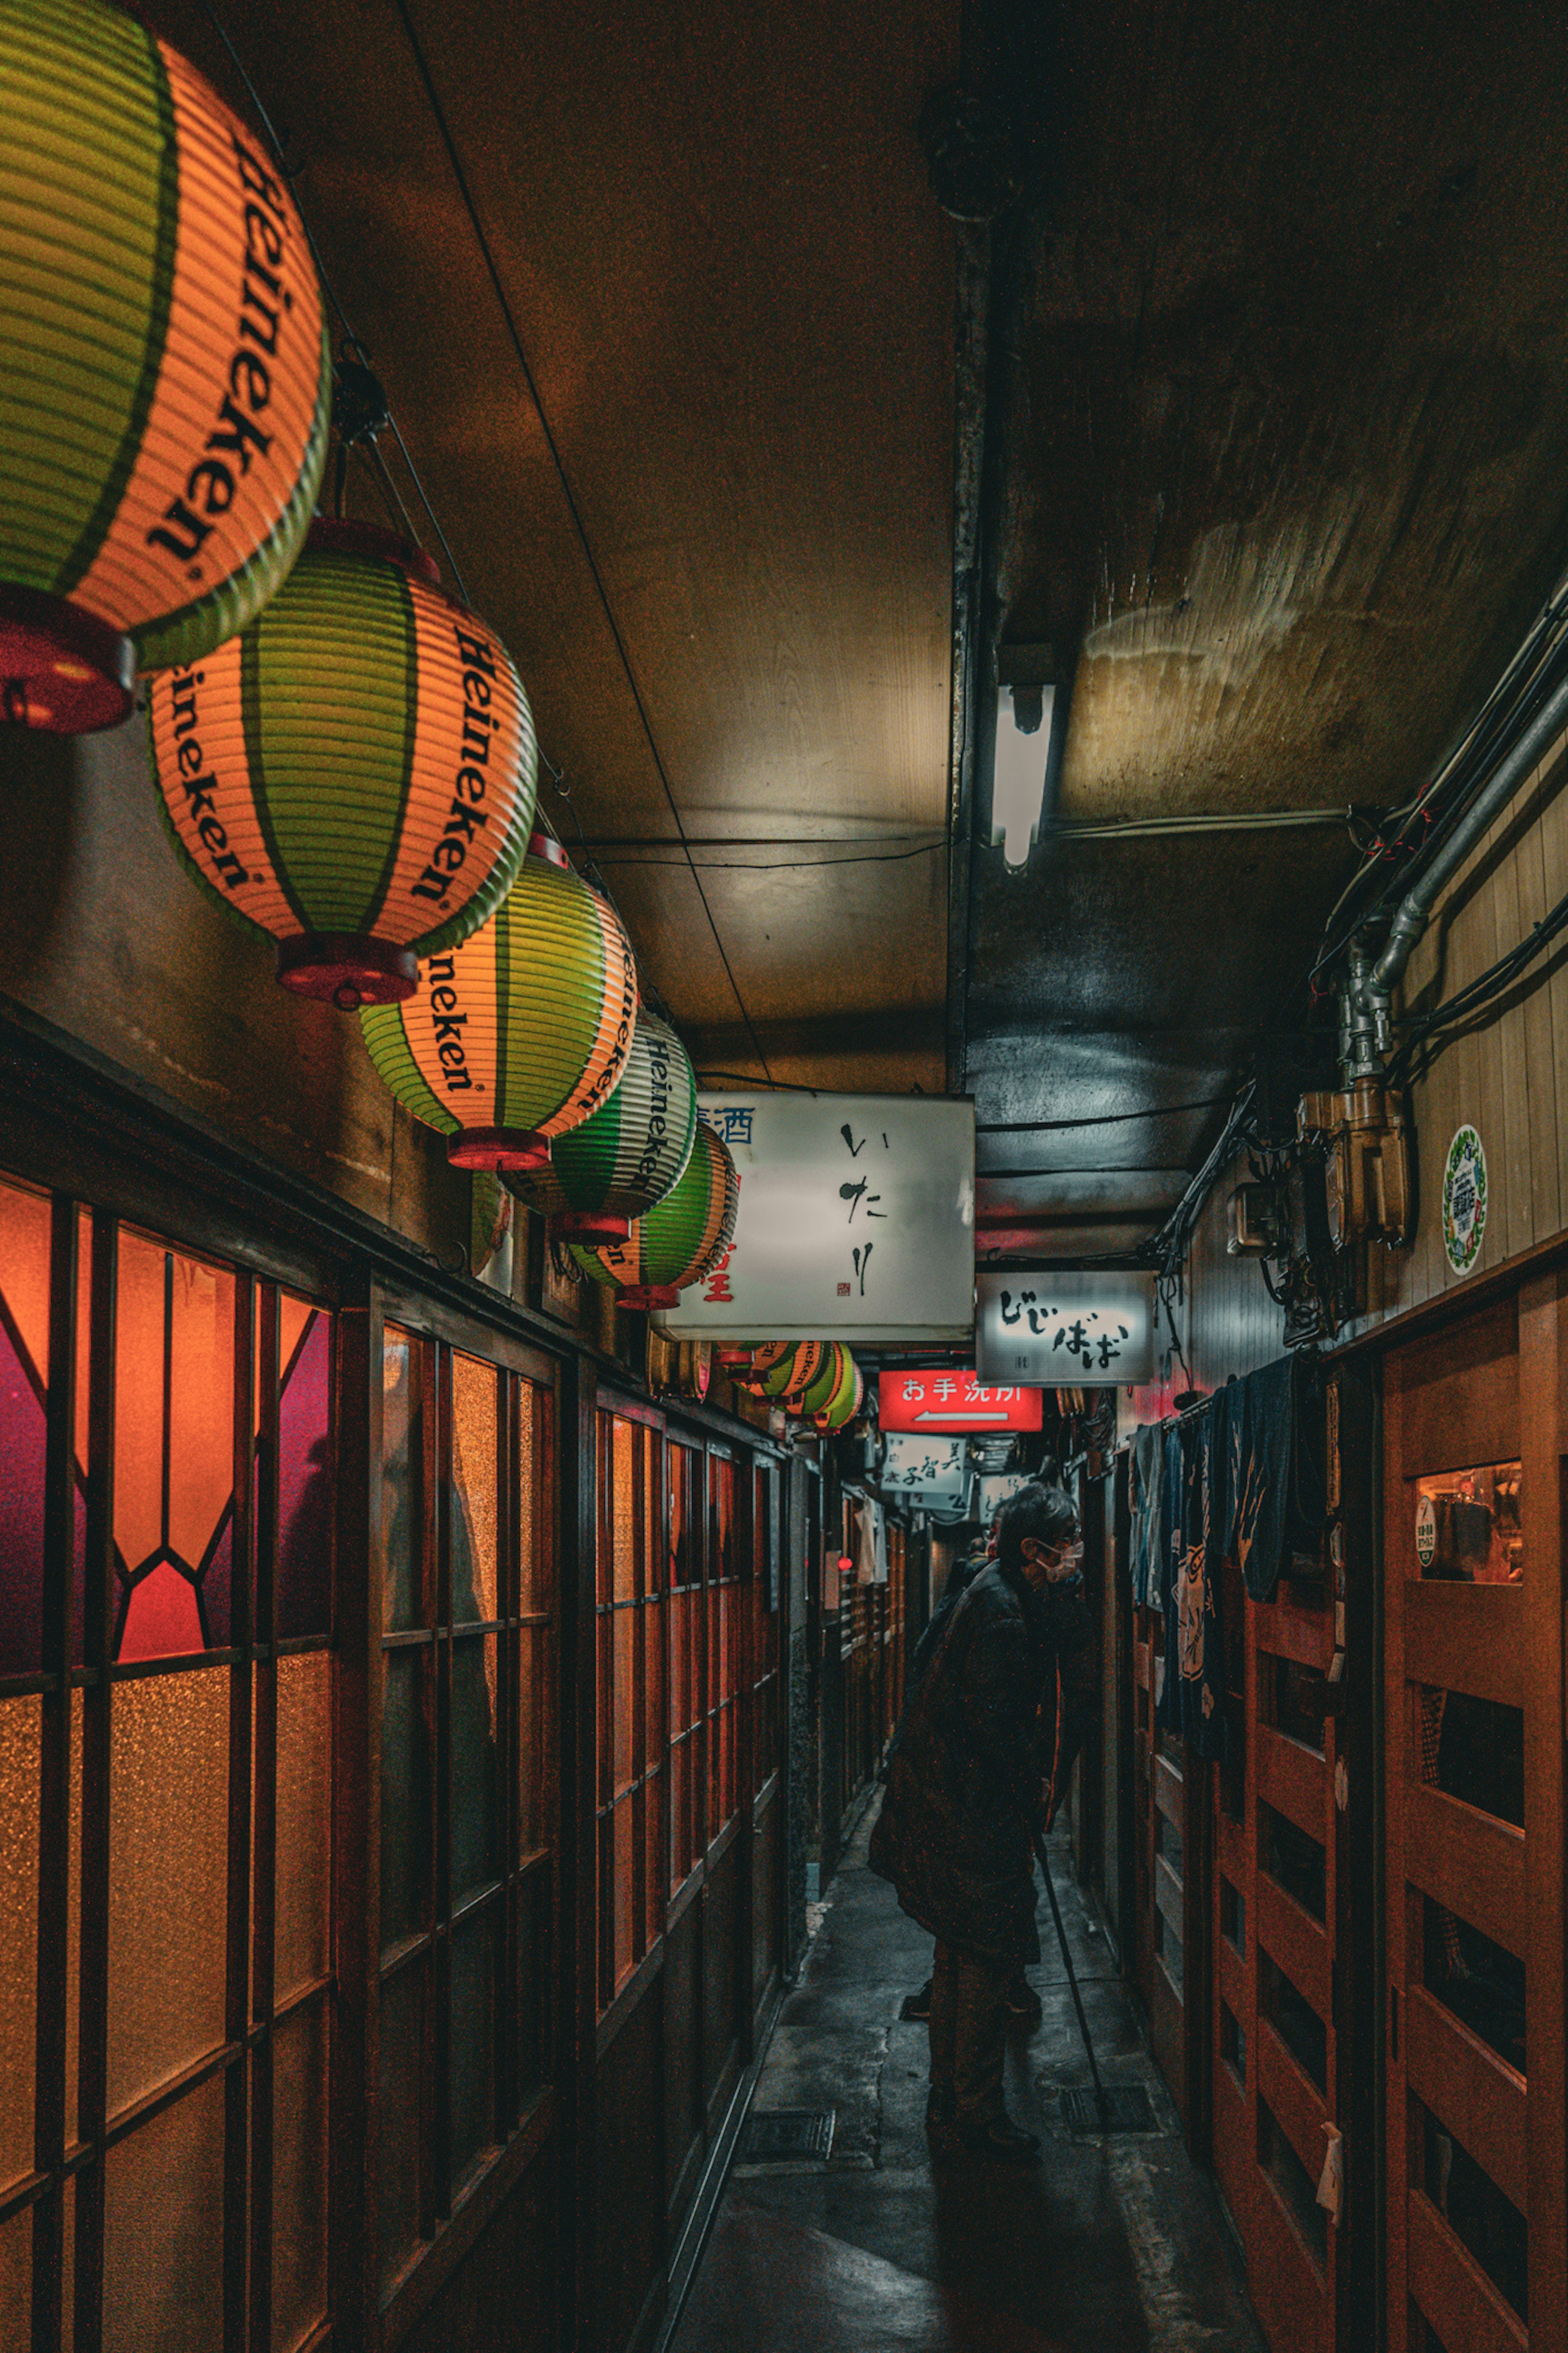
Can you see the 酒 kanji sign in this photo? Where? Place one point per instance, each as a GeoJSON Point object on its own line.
{"type": "Point", "coordinates": [953, 1401]}
{"type": "Point", "coordinates": [856, 1221]}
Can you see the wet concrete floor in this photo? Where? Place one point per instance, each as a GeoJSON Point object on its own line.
{"type": "Point", "coordinates": [1114, 2243]}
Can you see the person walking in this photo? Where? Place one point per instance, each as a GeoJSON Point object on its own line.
{"type": "Point", "coordinates": [988, 1745]}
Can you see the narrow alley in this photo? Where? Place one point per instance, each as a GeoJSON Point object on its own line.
{"type": "Point", "coordinates": [1114, 2245]}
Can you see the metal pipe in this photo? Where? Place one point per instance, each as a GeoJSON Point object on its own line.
{"type": "Point", "coordinates": [1366, 1007]}
{"type": "Point", "coordinates": [1414, 912]}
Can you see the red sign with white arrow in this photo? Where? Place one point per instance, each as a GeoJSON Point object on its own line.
{"type": "Point", "coordinates": [955, 1402]}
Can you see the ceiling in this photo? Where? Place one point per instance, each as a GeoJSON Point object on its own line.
{"type": "Point", "coordinates": [1253, 405]}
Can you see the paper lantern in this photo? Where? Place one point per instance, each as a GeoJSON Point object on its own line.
{"type": "Point", "coordinates": [750, 1368]}
{"type": "Point", "coordinates": [801, 1365]}
{"type": "Point", "coordinates": [678, 1241]}
{"type": "Point", "coordinates": [520, 1033]}
{"type": "Point", "coordinates": [847, 1399]}
{"type": "Point", "coordinates": [165, 383]}
{"type": "Point", "coordinates": [814, 1385]}
{"type": "Point", "coordinates": [355, 774]}
{"type": "Point", "coordinates": [625, 1158]}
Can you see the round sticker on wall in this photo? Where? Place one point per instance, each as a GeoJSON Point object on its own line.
{"type": "Point", "coordinates": [1464, 1199]}
{"type": "Point", "coordinates": [1425, 1530]}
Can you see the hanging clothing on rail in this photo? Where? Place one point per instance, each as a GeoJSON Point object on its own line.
{"type": "Point", "coordinates": [1193, 1691]}
{"type": "Point", "coordinates": [1282, 1498]}
{"type": "Point", "coordinates": [1229, 1428]}
{"type": "Point", "coordinates": [1148, 1455]}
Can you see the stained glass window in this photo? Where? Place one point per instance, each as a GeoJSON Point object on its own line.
{"type": "Point", "coordinates": [160, 1959]}
{"type": "Point", "coordinates": [174, 1451]}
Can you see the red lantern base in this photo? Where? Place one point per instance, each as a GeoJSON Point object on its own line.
{"type": "Point", "coordinates": [347, 970]}
{"type": "Point", "coordinates": [498, 1148]}
{"type": "Point", "coordinates": [590, 1227]}
{"type": "Point", "coordinates": [645, 1296]}
{"type": "Point", "coordinates": [62, 669]}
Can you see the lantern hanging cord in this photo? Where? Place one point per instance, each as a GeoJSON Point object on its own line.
{"type": "Point", "coordinates": [221, 29]}
{"type": "Point", "coordinates": [579, 525]}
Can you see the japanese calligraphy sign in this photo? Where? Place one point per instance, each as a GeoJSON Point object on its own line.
{"type": "Point", "coordinates": [956, 1401]}
{"type": "Point", "coordinates": [1068, 1330]}
{"type": "Point", "coordinates": [998, 1489]}
{"type": "Point", "coordinates": [857, 1222]}
{"type": "Point", "coordinates": [932, 1473]}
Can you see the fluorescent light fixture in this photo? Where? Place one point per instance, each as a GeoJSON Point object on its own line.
{"type": "Point", "coordinates": [1018, 777]}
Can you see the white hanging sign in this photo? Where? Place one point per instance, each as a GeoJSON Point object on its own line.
{"type": "Point", "coordinates": [1065, 1331]}
{"type": "Point", "coordinates": [998, 1489]}
{"type": "Point", "coordinates": [856, 1221]}
{"type": "Point", "coordinates": [931, 1472]}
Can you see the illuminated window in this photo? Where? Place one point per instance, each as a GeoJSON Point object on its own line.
{"type": "Point", "coordinates": [725, 1631]}
{"type": "Point", "coordinates": [466, 1789]}
{"type": "Point", "coordinates": [767, 1563]}
{"type": "Point", "coordinates": [632, 1867]}
{"type": "Point", "coordinates": [688, 1835]}
{"type": "Point", "coordinates": [168, 1822]}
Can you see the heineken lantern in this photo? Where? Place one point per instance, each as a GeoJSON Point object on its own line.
{"type": "Point", "coordinates": [750, 1367]}
{"type": "Point", "coordinates": [355, 774]}
{"type": "Point", "coordinates": [164, 377]}
{"type": "Point", "coordinates": [678, 1241]}
{"type": "Point", "coordinates": [521, 1033]}
{"type": "Point", "coordinates": [793, 1371]}
{"type": "Point", "coordinates": [846, 1398]}
{"type": "Point", "coordinates": [810, 1396]}
{"type": "Point", "coordinates": [626, 1157]}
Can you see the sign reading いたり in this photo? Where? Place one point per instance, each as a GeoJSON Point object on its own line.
{"type": "Point", "coordinates": [1067, 1331]}
{"type": "Point", "coordinates": [856, 1221]}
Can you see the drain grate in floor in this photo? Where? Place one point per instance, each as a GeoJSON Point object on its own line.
{"type": "Point", "coordinates": [786, 2137]}
{"type": "Point", "coordinates": [1126, 2110]}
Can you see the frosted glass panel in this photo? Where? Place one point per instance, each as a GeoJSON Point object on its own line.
{"type": "Point", "coordinates": [16, 2282]}
{"type": "Point", "coordinates": [476, 1828]}
{"type": "Point", "coordinates": [405, 1796]}
{"type": "Point", "coordinates": [299, 2175]}
{"type": "Point", "coordinates": [473, 2037]}
{"type": "Point", "coordinates": [304, 1471]}
{"type": "Point", "coordinates": [474, 1482]}
{"type": "Point", "coordinates": [19, 1765]}
{"type": "Point", "coordinates": [399, 1486]}
{"type": "Point", "coordinates": [163, 2231]}
{"type": "Point", "coordinates": [400, 2025]}
{"type": "Point", "coordinates": [304, 1819]}
{"type": "Point", "coordinates": [168, 1856]}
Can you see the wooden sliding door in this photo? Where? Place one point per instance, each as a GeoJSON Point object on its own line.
{"type": "Point", "coordinates": [1474, 2043]}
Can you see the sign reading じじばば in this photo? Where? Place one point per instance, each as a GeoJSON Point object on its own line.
{"type": "Point", "coordinates": [856, 1221]}
{"type": "Point", "coordinates": [1069, 1331]}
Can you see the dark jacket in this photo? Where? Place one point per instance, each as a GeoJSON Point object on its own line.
{"type": "Point", "coordinates": [988, 1741]}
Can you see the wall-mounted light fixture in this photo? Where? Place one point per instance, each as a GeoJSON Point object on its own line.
{"type": "Point", "coordinates": [1029, 706]}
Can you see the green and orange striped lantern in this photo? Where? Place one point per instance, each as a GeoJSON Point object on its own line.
{"type": "Point", "coordinates": [626, 1155]}
{"type": "Point", "coordinates": [354, 774]}
{"type": "Point", "coordinates": [520, 1033]}
{"type": "Point", "coordinates": [809, 1397]}
{"type": "Point", "coordinates": [678, 1242]}
{"type": "Point", "coordinates": [750, 1367]}
{"type": "Point", "coordinates": [795, 1370]}
{"type": "Point", "coordinates": [847, 1399]}
{"type": "Point", "coordinates": [165, 381]}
